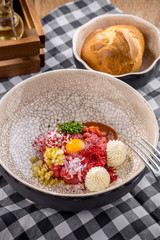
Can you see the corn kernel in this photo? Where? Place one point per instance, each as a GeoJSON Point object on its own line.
{"type": "Point", "coordinates": [48, 152]}
{"type": "Point", "coordinates": [39, 163]}
{"type": "Point", "coordinates": [56, 180]}
{"type": "Point", "coordinates": [41, 178]}
{"type": "Point", "coordinates": [51, 181]}
{"type": "Point", "coordinates": [34, 167]}
{"type": "Point", "coordinates": [63, 182]}
{"type": "Point", "coordinates": [45, 166]}
{"type": "Point", "coordinates": [45, 183]}
{"type": "Point", "coordinates": [35, 174]}
{"type": "Point", "coordinates": [43, 170]}
{"type": "Point", "coordinates": [47, 176]}
{"type": "Point", "coordinates": [33, 159]}
{"type": "Point", "coordinates": [39, 172]}
{"type": "Point", "coordinates": [49, 163]}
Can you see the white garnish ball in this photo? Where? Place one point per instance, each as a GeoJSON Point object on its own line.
{"type": "Point", "coordinates": [116, 153]}
{"type": "Point", "coordinates": [97, 179]}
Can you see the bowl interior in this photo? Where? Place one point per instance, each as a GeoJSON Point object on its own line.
{"type": "Point", "coordinates": [150, 33]}
{"type": "Point", "coordinates": [28, 109]}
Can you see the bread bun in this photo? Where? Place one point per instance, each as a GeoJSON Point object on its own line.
{"type": "Point", "coordinates": [115, 50]}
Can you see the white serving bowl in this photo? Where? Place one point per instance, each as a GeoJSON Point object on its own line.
{"type": "Point", "coordinates": [28, 109]}
{"type": "Point", "coordinates": [151, 57]}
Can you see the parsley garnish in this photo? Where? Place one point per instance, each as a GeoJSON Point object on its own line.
{"type": "Point", "coordinates": [72, 127]}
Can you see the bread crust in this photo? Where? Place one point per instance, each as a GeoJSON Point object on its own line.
{"type": "Point", "coordinates": [115, 50]}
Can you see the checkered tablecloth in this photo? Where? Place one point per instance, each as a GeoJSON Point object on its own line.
{"type": "Point", "coordinates": [133, 217]}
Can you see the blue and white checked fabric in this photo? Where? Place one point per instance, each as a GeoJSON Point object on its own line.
{"type": "Point", "coordinates": [135, 216]}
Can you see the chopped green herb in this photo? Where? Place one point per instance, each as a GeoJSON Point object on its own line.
{"type": "Point", "coordinates": [72, 127]}
{"type": "Point", "coordinates": [57, 120]}
{"type": "Point", "coordinates": [49, 126]}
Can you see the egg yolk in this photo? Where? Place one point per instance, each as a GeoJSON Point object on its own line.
{"type": "Point", "coordinates": [75, 145]}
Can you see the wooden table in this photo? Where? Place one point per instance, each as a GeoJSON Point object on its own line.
{"type": "Point", "coordinates": [146, 9]}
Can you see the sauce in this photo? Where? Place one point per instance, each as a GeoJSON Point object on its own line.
{"type": "Point", "coordinates": [106, 131]}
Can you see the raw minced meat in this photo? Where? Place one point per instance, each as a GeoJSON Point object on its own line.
{"type": "Point", "coordinates": [76, 164]}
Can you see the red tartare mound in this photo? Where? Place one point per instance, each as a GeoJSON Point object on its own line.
{"type": "Point", "coordinates": [76, 164]}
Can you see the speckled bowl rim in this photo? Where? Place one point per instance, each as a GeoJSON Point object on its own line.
{"type": "Point", "coordinates": [121, 83]}
{"type": "Point", "coordinates": [75, 36]}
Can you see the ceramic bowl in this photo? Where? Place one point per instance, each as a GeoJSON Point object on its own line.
{"type": "Point", "coordinates": [28, 109]}
{"type": "Point", "coordinates": [151, 57]}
